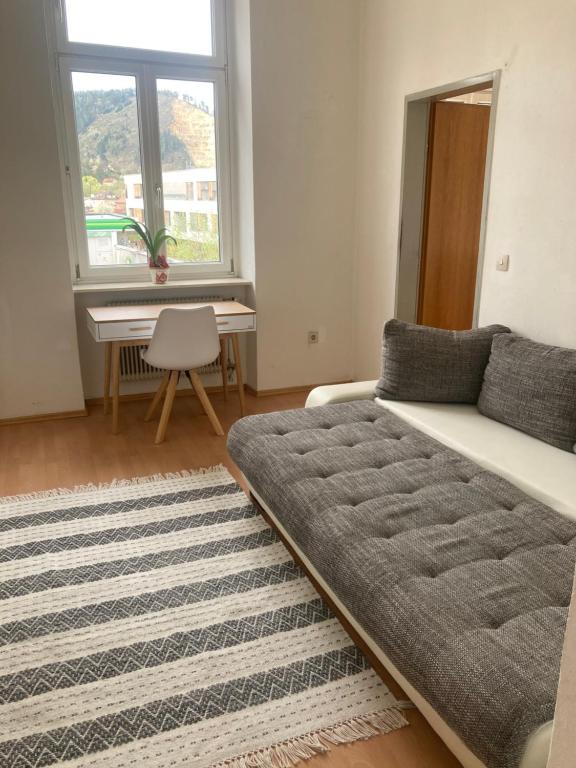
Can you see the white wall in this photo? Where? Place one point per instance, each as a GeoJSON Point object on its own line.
{"type": "Point", "coordinates": [304, 78]}
{"type": "Point", "coordinates": [242, 171]}
{"type": "Point", "coordinates": [321, 240]}
{"type": "Point", "coordinates": [411, 46]}
{"type": "Point", "coordinates": [294, 74]}
{"type": "Point", "coordinates": [563, 746]}
{"type": "Point", "coordinates": [39, 370]}
{"type": "Point", "coordinates": [294, 226]}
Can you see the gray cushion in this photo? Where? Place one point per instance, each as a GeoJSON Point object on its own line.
{"type": "Point", "coordinates": [460, 578]}
{"type": "Point", "coordinates": [532, 387]}
{"type": "Point", "coordinates": [433, 365]}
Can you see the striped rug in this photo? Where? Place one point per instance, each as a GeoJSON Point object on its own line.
{"type": "Point", "coordinates": [160, 622]}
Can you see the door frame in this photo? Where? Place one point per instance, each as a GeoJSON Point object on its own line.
{"type": "Point", "coordinates": [413, 189]}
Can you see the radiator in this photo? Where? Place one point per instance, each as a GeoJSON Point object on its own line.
{"type": "Point", "coordinates": [134, 368]}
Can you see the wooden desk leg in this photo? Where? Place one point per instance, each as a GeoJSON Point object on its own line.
{"type": "Point", "coordinates": [107, 362]}
{"type": "Point", "coordinates": [239, 376]}
{"type": "Point", "coordinates": [115, 385]}
{"type": "Point", "coordinates": [224, 363]}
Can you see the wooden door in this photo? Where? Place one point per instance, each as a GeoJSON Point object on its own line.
{"type": "Point", "coordinates": [452, 214]}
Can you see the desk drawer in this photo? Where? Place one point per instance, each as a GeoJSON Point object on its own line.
{"type": "Point", "coordinates": [137, 329]}
{"type": "Point", "coordinates": [143, 329]}
{"type": "Point", "coordinates": [233, 323]}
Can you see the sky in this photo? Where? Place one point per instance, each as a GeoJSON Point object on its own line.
{"type": "Point", "coordinates": [178, 26]}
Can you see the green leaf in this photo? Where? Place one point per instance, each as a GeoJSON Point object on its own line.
{"type": "Point", "coordinates": [153, 244]}
{"type": "Point", "coordinates": [161, 237]}
{"type": "Point", "coordinates": [159, 242]}
{"type": "Point", "coordinates": [144, 233]}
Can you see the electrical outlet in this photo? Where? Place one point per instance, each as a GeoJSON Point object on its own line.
{"type": "Point", "coordinates": [313, 337]}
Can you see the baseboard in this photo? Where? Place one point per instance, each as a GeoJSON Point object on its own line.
{"type": "Point", "coordinates": [280, 391]}
{"type": "Point", "coordinates": [147, 395]}
{"type": "Point", "coordinates": [290, 390]}
{"type": "Point", "coordinates": [44, 417]}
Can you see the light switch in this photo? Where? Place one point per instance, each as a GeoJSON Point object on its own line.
{"type": "Point", "coordinates": [503, 263]}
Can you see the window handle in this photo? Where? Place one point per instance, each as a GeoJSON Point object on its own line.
{"type": "Point", "coordinates": [158, 195]}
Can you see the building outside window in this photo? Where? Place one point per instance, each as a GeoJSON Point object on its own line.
{"type": "Point", "coordinates": [199, 222]}
{"type": "Point", "coordinates": [145, 123]}
{"type": "Point", "coordinates": [206, 190]}
{"type": "Point", "coordinates": [180, 223]}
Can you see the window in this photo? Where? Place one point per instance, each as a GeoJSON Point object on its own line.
{"type": "Point", "coordinates": [175, 26]}
{"type": "Point", "coordinates": [190, 102]}
{"type": "Point", "coordinates": [206, 190]}
{"type": "Point", "coordinates": [145, 134]}
{"type": "Point", "coordinates": [199, 222]}
{"type": "Point", "coordinates": [180, 223]}
{"type": "Point", "coordinates": [109, 161]}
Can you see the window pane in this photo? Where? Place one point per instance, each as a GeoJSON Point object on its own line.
{"type": "Point", "coordinates": [188, 153]}
{"type": "Point", "coordinates": [109, 143]}
{"type": "Point", "coordinates": [175, 26]}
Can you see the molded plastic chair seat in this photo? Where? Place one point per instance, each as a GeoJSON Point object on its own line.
{"type": "Point", "coordinates": [183, 340]}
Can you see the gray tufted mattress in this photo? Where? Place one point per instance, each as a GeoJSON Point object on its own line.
{"type": "Point", "coordinates": [461, 579]}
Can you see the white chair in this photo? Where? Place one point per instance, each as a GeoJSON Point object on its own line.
{"type": "Point", "coordinates": [183, 340]}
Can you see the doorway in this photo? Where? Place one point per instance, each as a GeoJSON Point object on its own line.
{"type": "Point", "coordinates": [446, 166]}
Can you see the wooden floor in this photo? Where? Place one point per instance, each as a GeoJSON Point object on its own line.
{"type": "Point", "coordinates": [77, 451]}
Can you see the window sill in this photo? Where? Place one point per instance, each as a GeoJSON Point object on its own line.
{"type": "Point", "coordinates": [149, 286]}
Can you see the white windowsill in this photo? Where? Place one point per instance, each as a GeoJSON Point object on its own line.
{"type": "Point", "coordinates": [150, 286]}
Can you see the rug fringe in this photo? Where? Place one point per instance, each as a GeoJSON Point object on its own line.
{"type": "Point", "coordinates": [289, 753]}
{"type": "Point", "coordinates": [116, 483]}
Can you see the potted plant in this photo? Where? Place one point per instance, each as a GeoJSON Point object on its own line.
{"type": "Point", "coordinates": [157, 261]}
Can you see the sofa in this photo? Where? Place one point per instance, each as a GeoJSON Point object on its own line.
{"type": "Point", "coordinates": [446, 538]}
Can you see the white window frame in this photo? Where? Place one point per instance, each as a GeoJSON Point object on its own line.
{"type": "Point", "coordinates": [146, 67]}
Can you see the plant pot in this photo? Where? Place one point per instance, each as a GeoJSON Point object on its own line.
{"type": "Point", "coordinates": [159, 275]}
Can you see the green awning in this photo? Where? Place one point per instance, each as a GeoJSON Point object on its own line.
{"type": "Point", "coordinates": [107, 223]}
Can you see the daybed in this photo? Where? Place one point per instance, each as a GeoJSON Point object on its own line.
{"type": "Point", "coordinates": [449, 542]}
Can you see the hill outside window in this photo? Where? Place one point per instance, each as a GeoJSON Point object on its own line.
{"type": "Point", "coordinates": [145, 125]}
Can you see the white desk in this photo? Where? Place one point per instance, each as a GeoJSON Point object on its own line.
{"type": "Point", "coordinates": [124, 326]}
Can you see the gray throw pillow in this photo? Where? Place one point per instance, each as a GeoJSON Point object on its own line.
{"type": "Point", "coordinates": [532, 387]}
{"type": "Point", "coordinates": [433, 365]}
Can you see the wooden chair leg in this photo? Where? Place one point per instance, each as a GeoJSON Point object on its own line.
{"type": "Point", "coordinates": [224, 364]}
{"type": "Point", "coordinates": [167, 409]}
{"type": "Point", "coordinates": [157, 397]}
{"type": "Point", "coordinates": [206, 404]}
